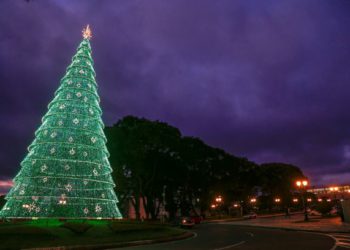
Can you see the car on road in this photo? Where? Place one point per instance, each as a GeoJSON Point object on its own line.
{"type": "Point", "coordinates": [196, 219]}
{"type": "Point", "coordinates": [186, 222]}
{"type": "Point", "coordinates": [250, 215]}
{"type": "Point", "coordinates": [313, 212]}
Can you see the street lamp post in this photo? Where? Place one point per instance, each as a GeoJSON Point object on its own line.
{"type": "Point", "coordinates": [302, 184]}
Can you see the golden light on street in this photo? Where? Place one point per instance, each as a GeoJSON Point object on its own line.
{"type": "Point", "coordinates": [295, 200]}
{"type": "Point", "coordinates": [319, 200]}
{"type": "Point", "coordinates": [253, 200]}
{"type": "Point", "coordinates": [235, 205]}
{"type": "Point", "coordinates": [213, 206]}
{"type": "Point", "coordinates": [218, 199]}
{"type": "Point", "coordinates": [328, 200]}
{"type": "Point", "coordinates": [277, 200]}
{"type": "Point", "coordinates": [309, 199]}
{"type": "Point", "coordinates": [302, 183]}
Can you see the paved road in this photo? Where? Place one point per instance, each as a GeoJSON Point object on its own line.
{"type": "Point", "coordinates": [225, 237]}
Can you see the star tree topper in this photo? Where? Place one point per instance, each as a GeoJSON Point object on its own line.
{"type": "Point", "coordinates": [87, 32]}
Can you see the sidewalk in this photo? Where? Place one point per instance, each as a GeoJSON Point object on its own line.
{"type": "Point", "coordinates": [295, 222]}
{"type": "Point", "coordinates": [241, 218]}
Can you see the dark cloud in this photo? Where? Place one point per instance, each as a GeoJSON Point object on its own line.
{"type": "Point", "coordinates": [268, 80]}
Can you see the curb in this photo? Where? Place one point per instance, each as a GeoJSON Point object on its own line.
{"type": "Point", "coordinates": [222, 220]}
{"type": "Point", "coordinates": [242, 219]}
{"type": "Point", "coordinates": [294, 229]}
{"type": "Point", "coordinates": [183, 236]}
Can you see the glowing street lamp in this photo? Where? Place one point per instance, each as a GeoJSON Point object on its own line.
{"type": "Point", "coordinates": [309, 199]}
{"type": "Point", "coordinates": [218, 199]}
{"type": "Point", "coordinates": [319, 200]}
{"type": "Point", "coordinates": [295, 200]}
{"type": "Point", "coordinates": [253, 200]}
{"type": "Point", "coordinates": [277, 200]}
{"type": "Point", "coordinates": [302, 184]}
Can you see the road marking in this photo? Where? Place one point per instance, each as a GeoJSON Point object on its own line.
{"type": "Point", "coordinates": [341, 240]}
{"type": "Point", "coordinates": [250, 234]}
{"type": "Point", "coordinates": [230, 246]}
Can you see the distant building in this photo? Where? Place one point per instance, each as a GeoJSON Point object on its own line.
{"type": "Point", "coordinates": [333, 192]}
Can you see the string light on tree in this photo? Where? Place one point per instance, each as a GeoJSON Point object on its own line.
{"type": "Point", "coordinates": [65, 144]}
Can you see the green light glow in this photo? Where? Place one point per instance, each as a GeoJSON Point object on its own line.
{"type": "Point", "coordinates": [66, 173]}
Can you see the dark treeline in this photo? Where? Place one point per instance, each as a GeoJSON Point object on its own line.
{"type": "Point", "coordinates": [153, 162]}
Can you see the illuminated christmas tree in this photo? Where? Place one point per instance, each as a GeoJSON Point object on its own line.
{"type": "Point", "coordinates": [66, 173]}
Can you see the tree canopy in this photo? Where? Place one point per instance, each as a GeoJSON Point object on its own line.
{"type": "Point", "coordinates": [153, 162]}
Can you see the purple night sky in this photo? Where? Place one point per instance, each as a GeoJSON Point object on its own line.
{"type": "Point", "coordinates": [268, 80]}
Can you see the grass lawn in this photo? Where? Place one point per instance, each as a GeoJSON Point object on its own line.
{"type": "Point", "coordinates": [45, 233]}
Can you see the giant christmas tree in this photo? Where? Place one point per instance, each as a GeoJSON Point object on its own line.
{"type": "Point", "coordinates": [66, 173]}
